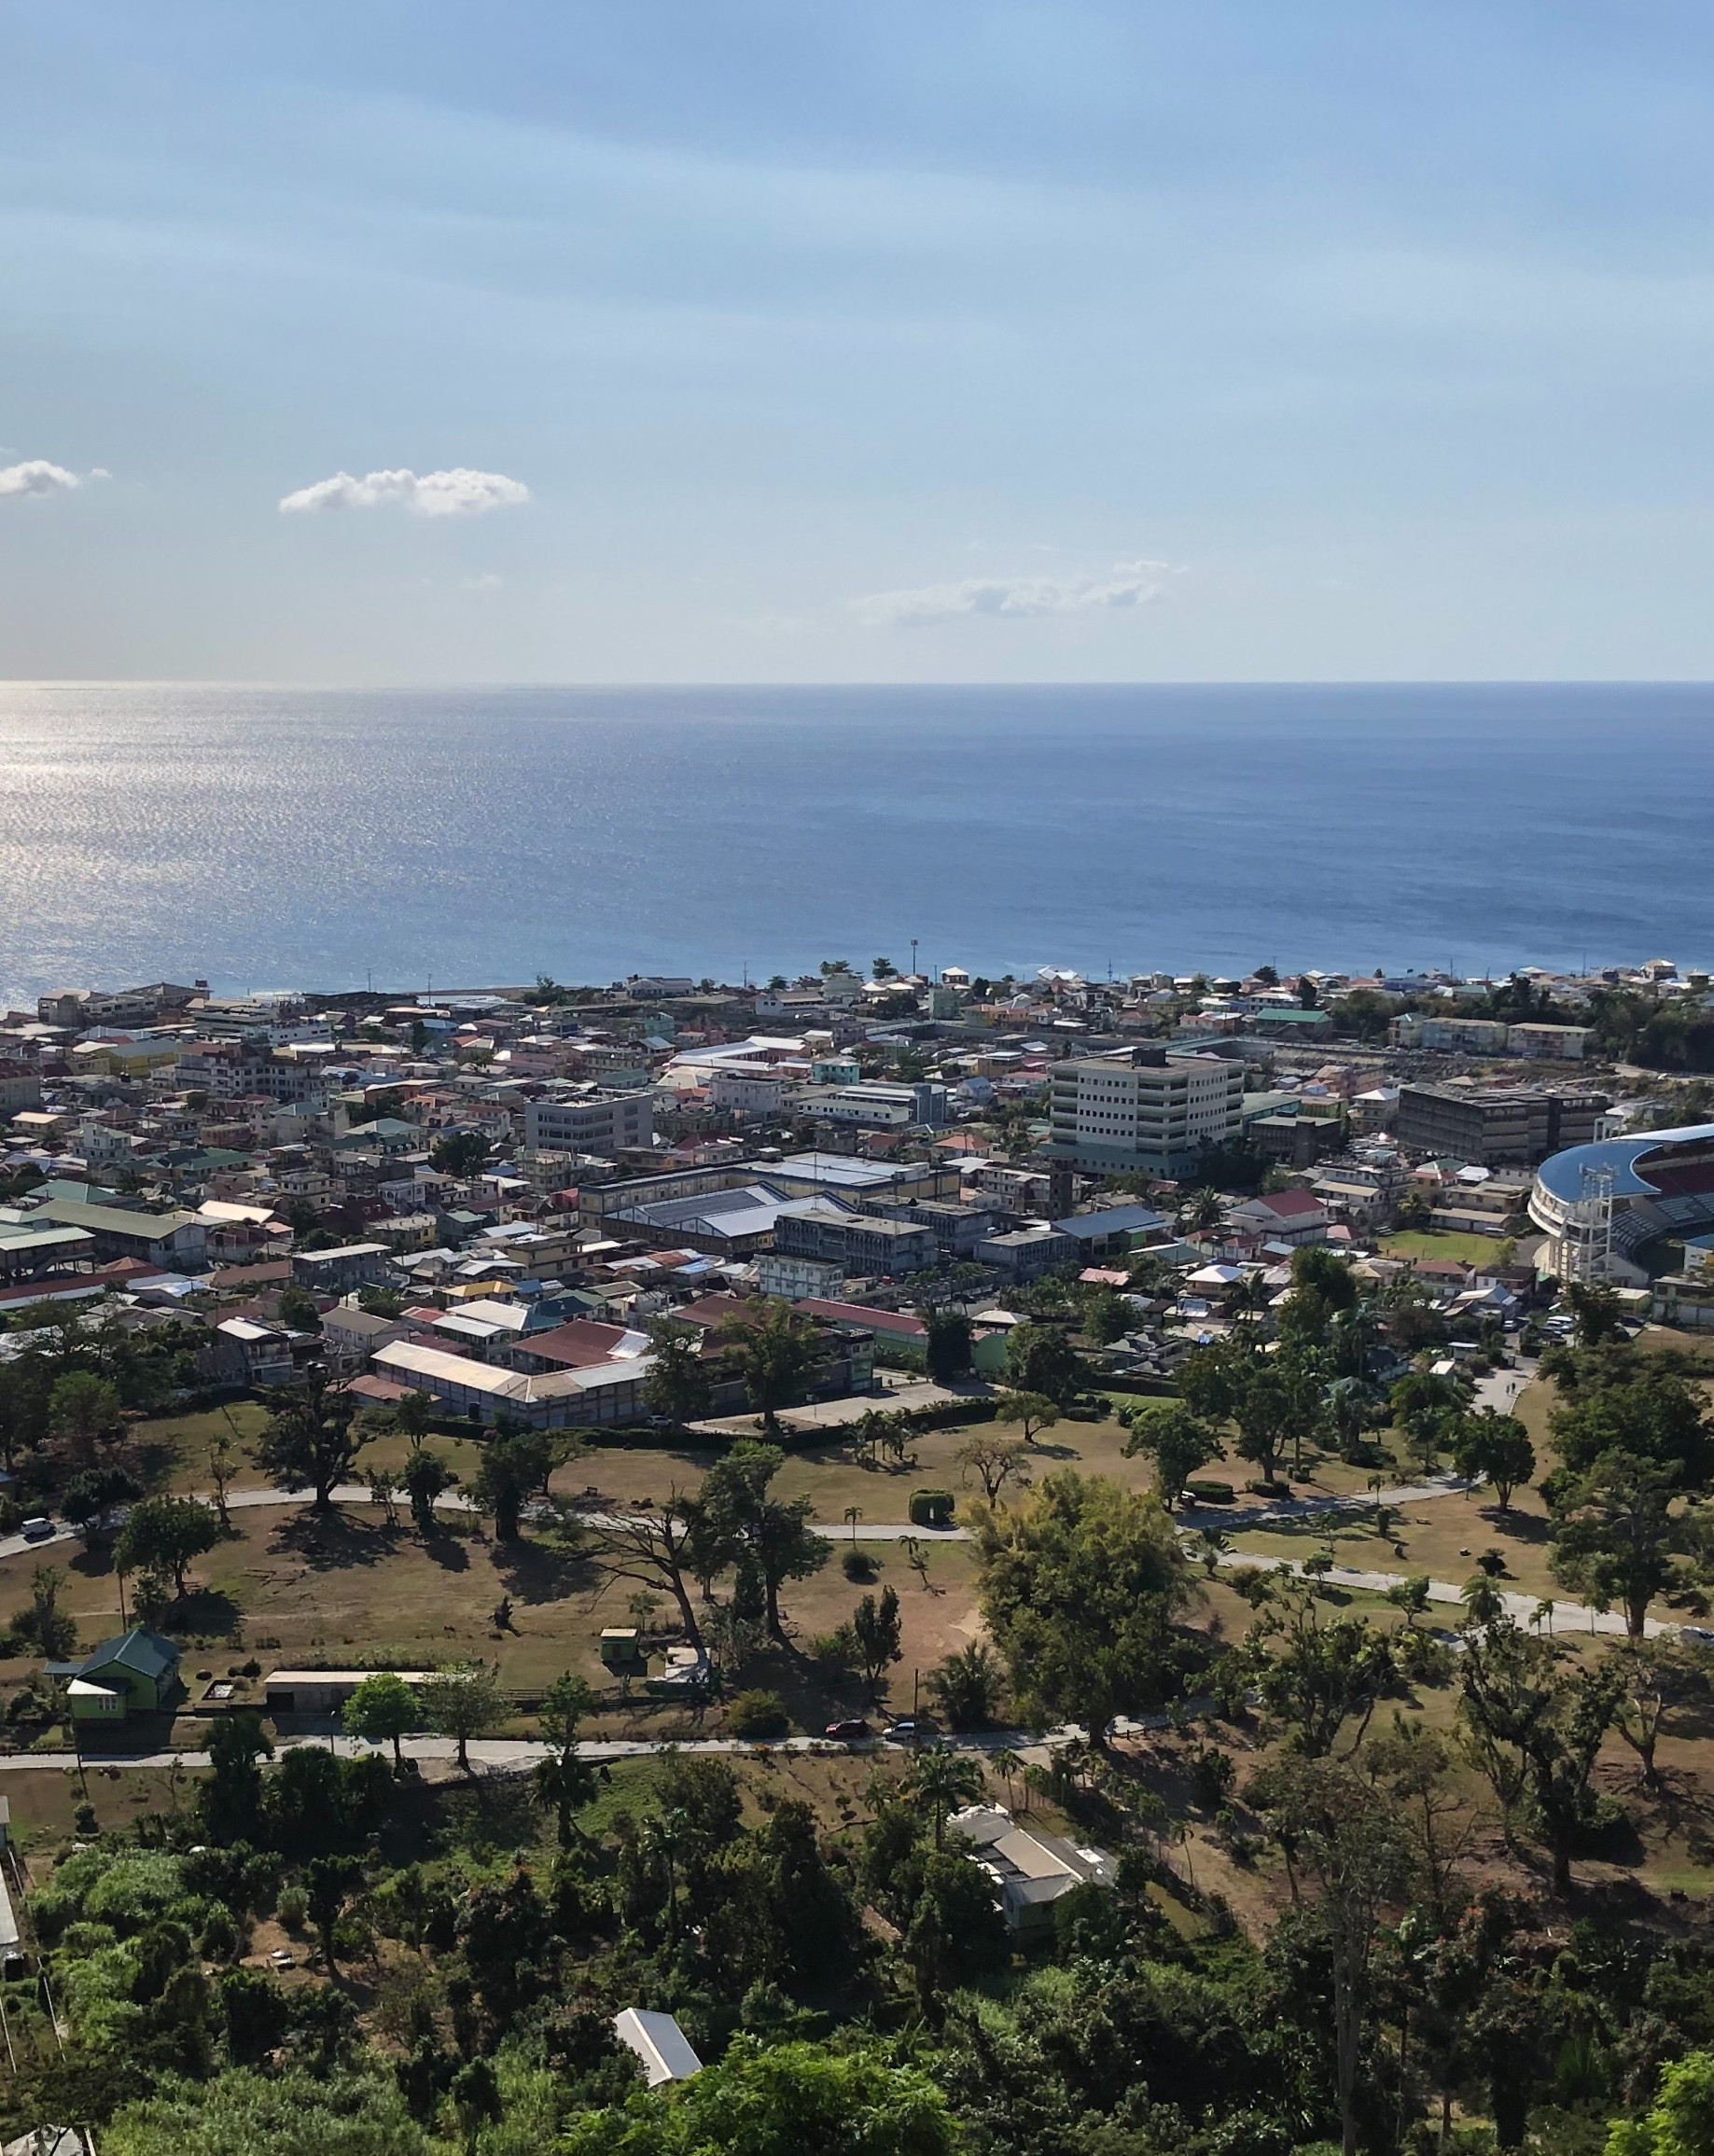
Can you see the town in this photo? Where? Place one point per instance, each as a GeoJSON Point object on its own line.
{"type": "Point", "coordinates": [1014, 1436]}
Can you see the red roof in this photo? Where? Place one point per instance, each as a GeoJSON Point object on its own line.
{"type": "Point", "coordinates": [1288, 1203]}
{"type": "Point", "coordinates": [708, 1309]}
{"type": "Point", "coordinates": [897, 1321]}
{"type": "Point", "coordinates": [578, 1344]}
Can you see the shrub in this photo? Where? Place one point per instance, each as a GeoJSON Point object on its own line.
{"type": "Point", "coordinates": [931, 1508]}
{"type": "Point", "coordinates": [1212, 1774]}
{"type": "Point", "coordinates": [756, 1714]}
{"type": "Point", "coordinates": [1266, 1489]}
{"type": "Point", "coordinates": [858, 1564]}
{"type": "Point", "coordinates": [1211, 1492]}
{"type": "Point", "coordinates": [292, 1908]}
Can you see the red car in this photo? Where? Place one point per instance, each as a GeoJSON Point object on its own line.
{"type": "Point", "coordinates": [856, 1726]}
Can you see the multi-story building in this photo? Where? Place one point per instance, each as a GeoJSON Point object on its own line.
{"type": "Point", "coordinates": [1491, 1125]}
{"type": "Point", "coordinates": [1148, 1112]}
{"type": "Point", "coordinates": [862, 1243]}
{"type": "Point", "coordinates": [604, 1124]}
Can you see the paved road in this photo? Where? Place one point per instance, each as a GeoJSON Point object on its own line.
{"type": "Point", "coordinates": [1568, 1617]}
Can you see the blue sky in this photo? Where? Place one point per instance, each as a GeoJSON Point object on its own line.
{"type": "Point", "coordinates": [776, 342]}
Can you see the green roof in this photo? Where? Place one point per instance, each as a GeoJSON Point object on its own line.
{"type": "Point", "coordinates": [139, 1649]}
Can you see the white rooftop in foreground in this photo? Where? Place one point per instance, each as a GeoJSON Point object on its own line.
{"type": "Point", "coordinates": [660, 2044]}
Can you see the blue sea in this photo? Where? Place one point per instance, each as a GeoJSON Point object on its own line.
{"type": "Point", "coordinates": [268, 837]}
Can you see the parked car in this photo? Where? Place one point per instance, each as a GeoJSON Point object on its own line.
{"type": "Point", "coordinates": [851, 1730]}
{"type": "Point", "coordinates": [38, 1529]}
{"type": "Point", "coordinates": [904, 1732]}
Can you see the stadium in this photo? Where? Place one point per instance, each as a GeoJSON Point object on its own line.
{"type": "Point", "coordinates": [1601, 1205]}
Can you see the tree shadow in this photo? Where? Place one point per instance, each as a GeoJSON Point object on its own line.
{"type": "Point", "coordinates": [536, 1572]}
{"type": "Point", "coordinates": [204, 1613]}
{"type": "Point", "coordinates": [330, 1541]}
{"type": "Point", "coordinates": [445, 1551]}
{"type": "Point", "coordinates": [488, 1816]}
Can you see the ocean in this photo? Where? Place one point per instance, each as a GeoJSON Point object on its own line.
{"type": "Point", "coordinates": [263, 838]}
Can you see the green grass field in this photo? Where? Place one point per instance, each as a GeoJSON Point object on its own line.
{"type": "Point", "coordinates": [1439, 1243]}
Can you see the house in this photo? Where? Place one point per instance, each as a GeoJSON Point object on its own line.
{"type": "Point", "coordinates": [1294, 1216]}
{"type": "Point", "coordinates": [136, 1672]}
{"type": "Point", "coordinates": [1026, 1252]}
{"type": "Point", "coordinates": [248, 1353]}
{"type": "Point", "coordinates": [338, 1272]}
{"type": "Point", "coordinates": [660, 2044]}
{"type": "Point", "coordinates": [351, 1335]}
{"type": "Point", "coordinates": [1030, 1869]}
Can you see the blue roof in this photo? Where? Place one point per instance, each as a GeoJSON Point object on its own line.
{"type": "Point", "coordinates": [1111, 1220]}
{"type": "Point", "coordinates": [1562, 1176]}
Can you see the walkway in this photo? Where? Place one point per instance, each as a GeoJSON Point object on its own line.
{"type": "Point", "coordinates": [1567, 1616]}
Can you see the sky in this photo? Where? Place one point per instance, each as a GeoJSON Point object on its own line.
{"type": "Point", "coordinates": [779, 340]}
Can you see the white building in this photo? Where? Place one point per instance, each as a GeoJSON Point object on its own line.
{"type": "Point", "coordinates": [1150, 1113]}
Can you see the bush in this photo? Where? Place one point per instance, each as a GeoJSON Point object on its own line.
{"type": "Point", "coordinates": [858, 1564]}
{"type": "Point", "coordinates": [756, 1714]}
{"type": "Point", "coordinates": [1265, 1489]}
{"type": "Point", "coordinates": [1211, 1492]}
{"type": "Point", "coordinates": [931, 1508]}
{"type": "Point", "coordinates": [292, 1908]}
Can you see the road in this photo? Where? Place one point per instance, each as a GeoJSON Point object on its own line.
{"type": "Point", "coordinates": [1567, 1616]}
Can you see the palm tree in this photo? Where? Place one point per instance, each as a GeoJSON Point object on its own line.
{"type": "Point", "coordinates": [1007, 1765]}
{"type": "Point", "coordinates": [853, 1514]}
{"type": "Point", "coordinates": [1210, 1546]}
{"type": "Point", "coordinates": [940, 1780]}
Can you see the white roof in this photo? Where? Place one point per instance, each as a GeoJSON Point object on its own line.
{"type": "Point", "coordinates": [660, 2044]}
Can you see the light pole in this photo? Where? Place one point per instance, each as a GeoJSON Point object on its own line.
{"type": "Point", "coordinates": [914, 957]}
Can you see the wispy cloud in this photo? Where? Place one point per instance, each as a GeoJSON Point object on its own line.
{"type": "Point", "coordinates": [458, 493]}
{"type": "Point", "coordinates": [487, 581]}
{"type": "Point", "coordinates": [1128, 584]}
{"type": "Point", "coordinates": [38, 477]}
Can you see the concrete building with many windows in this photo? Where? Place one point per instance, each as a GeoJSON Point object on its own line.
{"type": "Point", "coordinates": [1489, 1126]}
{"type": "Point", "coordinates": [601, 1123]}
{"type": "Point", "coordinates": [1149, 1112]}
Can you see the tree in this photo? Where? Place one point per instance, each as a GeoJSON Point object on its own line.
{"type": "Point", "coordinates": [563, 1782]}
{"type": "Point", "coordinates": [948, 1344]}
{"type": "Point", "coordinates": [427, 1477]}
{"type": "Point", "coordinates": [1615, 1534]}
{"type": "Point", "coordinates": [679, 1385]}
{"type": "Point", "coordinates": [877, 1629]}
{"type": "Point", "coordinates": [1425, 1407]}
{"type": "Point", "coordinates": [230, 1800]}
{"type": "Point", "coordinates": [513, 1463]}
{"type": "Point", "coordinates": [1177, 1439]}
{"type": "Point", "coordinates": [310, 1442]}
{"type": "Point", "coordinates": [940, 1780]}
{"type": "Point", "coordinates": [956, 1935]}
{"type": "Point", "coordinates": [1041, 1359]}
{"type": "Point", "coordinates": [966, 1687]}
{"type": "Point", "coordinates": [1680, 2122]}
{"type": "Point", "coordinates": [1537, 1727]}
{"type": "Point", "coordinates": [773, 1535]}
{"type": "Point", "coordinates": [1495, 1447]}
{"type": "Point", "coordinates": [460, 1154]}
{"type": "Point", "coordinates": [1107, 1317]}
{"type": "Point", "coordinates": [1662, 1678]}
{"type": "Point", "coordinates": [96, 1491]}
{"type": "Point", "coordinates": [298, 1309]}
{"type": "Point", "coordinates": [994, 1460]}
{"type": "Point", "coordinates": [414, 1416]}
{"type": "Point", "coordinates": [1080, 1588]}
{"type": "Point", "coordinates": [661, 1547]}
{"type": "Point", "coordinates": [774, 1350]}
{"type": "Point", "coordinates": [1343, 1836]}
{"type": "Point", "coordinates": [384, 1707]}
{"type": "Point", "coordinates": [83, 1412]}
{"type": "Point", "coordinates": [463, 1703]}
{"type": "Point", "coordinates": [327, 1884]}
{"type": "Point", "coordinates": [1649, 1413]}
{"type": "Point", "coordinates": [166, 1534]}
{"type": "Point", "coordinates": [768, 2097]}
{"type": "Point", "coordinates": [1319, 1674]}
{"type": "Point", "coordinates": [1032, 1411]}
{"type": "Point", "coordinates": [45, 1627]}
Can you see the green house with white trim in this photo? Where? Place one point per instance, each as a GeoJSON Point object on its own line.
{"type": "Point", "coordinates": [134, 1674]}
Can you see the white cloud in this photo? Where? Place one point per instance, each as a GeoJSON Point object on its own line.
{"type": "Point", "coordinates": [458, 493]}
{"type": "Point", "coordinates": [487, 581]}
{"type": "Point", "coordinates": [1129, 584]}
{"type": "Point", "coordinates": [36, 477]}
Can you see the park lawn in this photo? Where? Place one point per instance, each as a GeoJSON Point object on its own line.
{"type": "Point", "coordinates": [1442, 1243]}
{"type": "Point", "coordinates": [173, 1449]}
{"type": "Point", "coordinates": [1442, 1536]}
{"type": "Point", "coordinates": [831, 1475]}
{"type": "Point", "coordinates": [43, 1800]}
